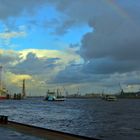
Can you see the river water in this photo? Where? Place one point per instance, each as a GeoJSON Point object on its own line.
{"type": "Point", "coordinates": [88, 117]}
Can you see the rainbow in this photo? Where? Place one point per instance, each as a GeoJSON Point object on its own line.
{"type": "Point", "coordinates": [116, 7]}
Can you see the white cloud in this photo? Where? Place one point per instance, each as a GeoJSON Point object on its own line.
{"type": "Point", "coordinates": [13, 34]}
{"type": "Point", "coordinates": [37, 65]}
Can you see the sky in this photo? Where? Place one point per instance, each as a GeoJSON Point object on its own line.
{"type": "Point", "coordinates": [73, 45]}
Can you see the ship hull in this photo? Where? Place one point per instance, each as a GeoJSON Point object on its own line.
{"type": "Point", "coordinates": [50, 98]}
{"type": "Point", "coordinates": [3, 97]}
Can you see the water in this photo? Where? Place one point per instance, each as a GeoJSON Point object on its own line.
{"type": "Point", "coordinates": [88, 117]}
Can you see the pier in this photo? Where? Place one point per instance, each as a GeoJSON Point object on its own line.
{"type": "Point", "coordinates": [38, 131]}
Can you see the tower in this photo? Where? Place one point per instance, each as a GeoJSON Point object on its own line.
{"type": "Point", "coordinates": [0, 77]}
{"type": "Point", "coordinates": [23, 88]}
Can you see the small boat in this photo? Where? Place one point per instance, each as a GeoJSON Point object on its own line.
{"type": "Point", "coordinates": [110, 98]}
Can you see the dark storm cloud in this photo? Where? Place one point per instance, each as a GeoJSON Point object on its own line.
{"type": "Point", "coordinates": [33, 65]}
{"type": "Point", "coordinates": [74, 73]}
{"type": "Point", "coordinates": [110, 66]}
{"type": "Point", "coordinates": [112, 47]}
{"type": "Point", "coordinates": [119, 43]}
{"type": "Point", "coordinates": [115, 35]}
{"type": "Point", "coordinates": [135, 81]}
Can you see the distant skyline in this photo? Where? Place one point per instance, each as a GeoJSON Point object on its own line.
{"type": "Point", "coordinates": [90, 46]}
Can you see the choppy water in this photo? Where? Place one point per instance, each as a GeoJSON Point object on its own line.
{"type": "Point", "coordinates": [89, 117]}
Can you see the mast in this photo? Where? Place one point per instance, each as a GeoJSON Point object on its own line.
{"type": "Point", "coordinates": [121, 92]}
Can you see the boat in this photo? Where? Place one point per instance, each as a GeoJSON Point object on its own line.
{"type": "Point", "coordinates": [53, 96]}
{"type": "Point", "coordinates": [109, 98]}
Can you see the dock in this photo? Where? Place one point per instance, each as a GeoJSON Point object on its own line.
{"type": "Point", "coordinates": [39, 131]}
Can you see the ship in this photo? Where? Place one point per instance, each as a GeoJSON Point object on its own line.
{"type": "Point", "coordinates": [3, 93]}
